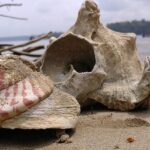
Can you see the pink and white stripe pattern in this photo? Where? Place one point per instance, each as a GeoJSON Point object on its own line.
{"type": "Point", "coordinates": [21, 96]}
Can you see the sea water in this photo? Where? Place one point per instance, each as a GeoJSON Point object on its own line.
{"type": "Point", "coordinates": [143, 45]}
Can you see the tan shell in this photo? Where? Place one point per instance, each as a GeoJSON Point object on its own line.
{"type": "Point", "coordinates": [59, 111]}
{"type": "Point", "coordinates": [28, 99]}
{"type": "Point", "coordinates": [91, 61]}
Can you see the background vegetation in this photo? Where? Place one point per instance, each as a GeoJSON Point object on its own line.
{"type": "Point", "coordinates": [139, 27]}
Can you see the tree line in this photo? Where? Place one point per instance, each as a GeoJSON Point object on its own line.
{"type": "Point", "coordinates": [139, 27]}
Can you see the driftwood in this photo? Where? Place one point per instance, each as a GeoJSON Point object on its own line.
{"type": "Point", "coordinates": [44, 36]}
{"type": "Point", "coordinates": [5, 45]}
{"type": "Point", "coordinates": [31, 49]}
{"type": "Point", "coordinates": [25, 53]}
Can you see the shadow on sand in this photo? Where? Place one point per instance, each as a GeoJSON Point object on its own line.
{"type": "Point", "coordinates": [27, 139]}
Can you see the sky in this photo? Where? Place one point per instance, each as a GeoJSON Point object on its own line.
{"type": "Point", "coordinates": [58, 15]}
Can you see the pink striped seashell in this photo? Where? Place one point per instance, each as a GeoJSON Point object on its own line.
{"type": "Point", "coordinates": [19, 97]}
{"type": "Point", "coordinates": [28, 99]}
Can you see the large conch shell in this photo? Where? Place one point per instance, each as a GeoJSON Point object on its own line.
{"type": "Point", "coordinates": [28, 99]}
{"type": "Point", "coordinates": [93, 62]}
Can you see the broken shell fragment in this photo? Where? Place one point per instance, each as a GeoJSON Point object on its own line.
{"type": "Point", "coordinates": [28, 99]}
{"type": "Point", "coordinates": [91, 61]}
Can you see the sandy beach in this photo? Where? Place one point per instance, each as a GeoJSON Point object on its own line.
{"type": "Point", "coordinates": [97, 129]}
{"type": "Point", "coordinates": [96, 63]}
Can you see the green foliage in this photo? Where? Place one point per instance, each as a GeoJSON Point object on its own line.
{"type": "Point", "coordinates": [139, 27]}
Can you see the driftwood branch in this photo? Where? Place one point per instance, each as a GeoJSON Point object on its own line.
{"type": "Point", "coordinates": [45, 36]}
{"type": "Point", "coordinates": [12, 17]}
{"type": "Point", "coordinates": [35, 48]}
{"type": "Point", "coordinates": [10, 4]}
{"type": "Point", "coordinates": [5, 45]}
{"type": "Point", "coordinates": [25, 53]}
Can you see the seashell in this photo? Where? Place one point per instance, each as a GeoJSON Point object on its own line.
{"type": "Point", "coordinates": [90, 61]}
{"type": "Point", "coordinates": [28, 99]}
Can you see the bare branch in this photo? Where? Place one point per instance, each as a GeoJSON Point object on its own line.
{"type": "Point", "coordinates": [10, 4]}
{"type": "Point", "coordinates": [12, 17]}
{"type": "Point", "coordinates": [44, 36]}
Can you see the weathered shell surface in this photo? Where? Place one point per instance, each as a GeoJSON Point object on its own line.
{"type": "Point", "coordinates": [59, 111]}
{"type": "Point", "coordinates": [91, 61]}
{"type": "Point", "coordinates": [28, 99]}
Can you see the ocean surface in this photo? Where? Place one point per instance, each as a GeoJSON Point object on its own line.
{"type": "Point", "coordinates": [143, 46]}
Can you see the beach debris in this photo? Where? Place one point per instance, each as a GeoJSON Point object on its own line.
{"type": "Point", "coordinates": [90, 61]}
{"type": "Point", "coordinates": [5, 45]}
{"type": "Point", "coordinates": [64, 138]}
{"type": "Point", "coordinates": [116, 147]}
{"type": "Point", "coordinates": [52, 39]}
{"type": "Point", "coordinates": [35, 48]}
{"type": "Point", "coordinates": [24, 50]}
{"type": "Point", "coordinates": [34, 40]}
{"type": "Point", "coordinates": [130, 139]}
{"type": "Point", "coordinates": [28, 99]}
